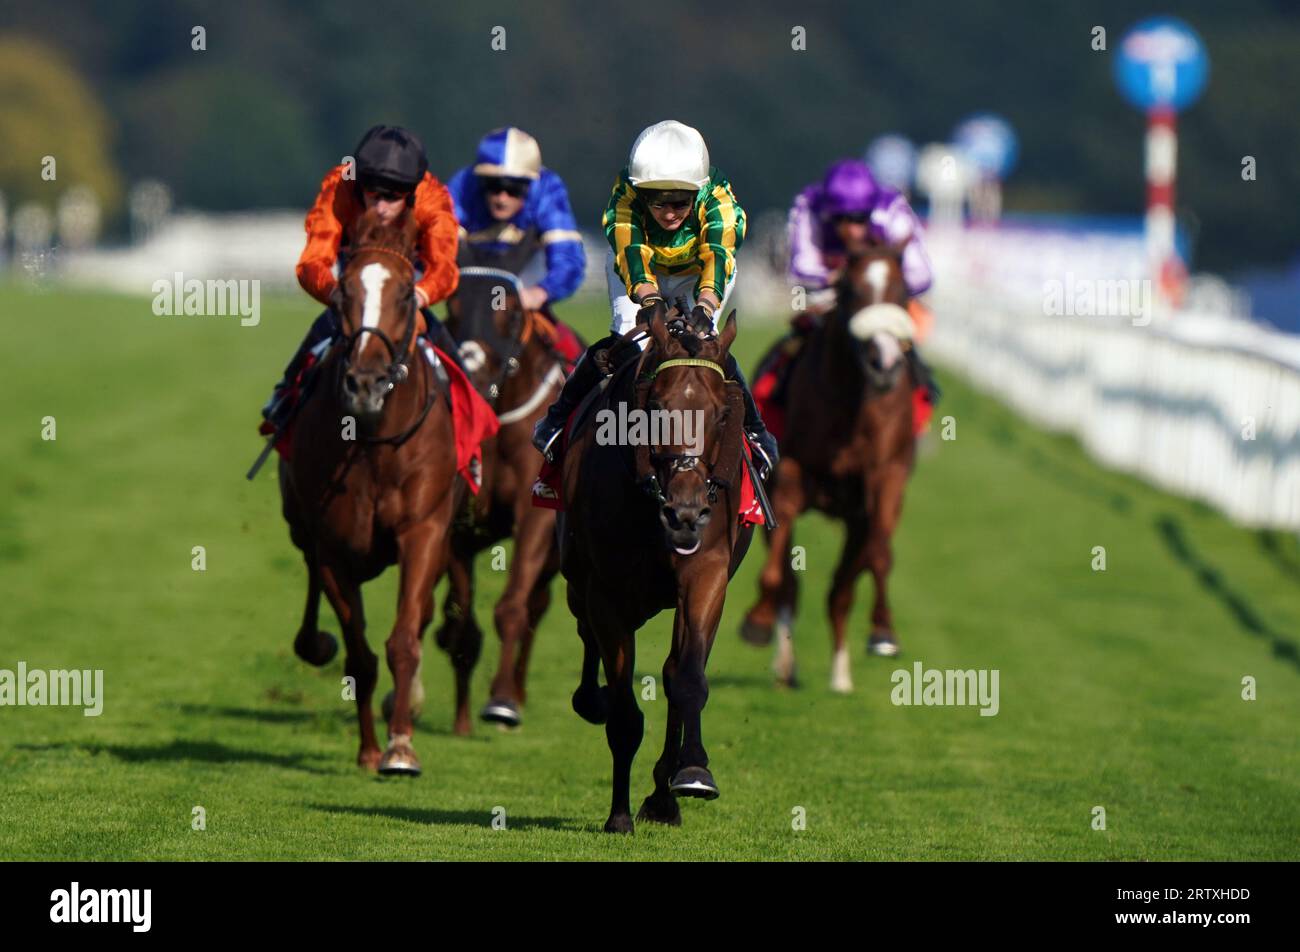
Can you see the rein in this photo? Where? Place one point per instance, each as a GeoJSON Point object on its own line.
{"type": "Point", "coordinates": [398, 369]}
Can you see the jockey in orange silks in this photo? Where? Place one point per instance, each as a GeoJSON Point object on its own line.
{"type": "Point", "coordinates": [391, 175]}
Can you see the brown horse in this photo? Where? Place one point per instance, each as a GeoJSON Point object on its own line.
{"type": "Point", "coordinates": [650, 524]}
{"type": "Point", "coordinates": [849, 456]}
{"type": "Point", "coordinates": [514, 365]}
{"type": "Point", "coordinates": [372, 480]}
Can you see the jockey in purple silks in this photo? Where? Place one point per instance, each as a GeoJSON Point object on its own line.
{"type": "Point", "coordinates": [848, 207]}
{"type": "Point", "coordinates": [846, 211]}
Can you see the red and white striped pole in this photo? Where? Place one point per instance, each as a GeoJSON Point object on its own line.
{"type": "Point", "coordinates": [1166, 268]}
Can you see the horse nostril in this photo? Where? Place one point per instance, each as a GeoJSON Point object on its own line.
{"type": "Point", "coordinates": [350, 383]}
{"type": "Point", "coordinates": [670, 517]}
{"type": "Point", "coordinates": [703, 518]}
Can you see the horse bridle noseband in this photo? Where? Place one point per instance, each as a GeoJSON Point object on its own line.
{"type": "Point", "coordinates": [647, 461]}
{"type": "Point", "coordinates": [398, 368]}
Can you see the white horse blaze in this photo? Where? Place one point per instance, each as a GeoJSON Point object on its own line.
{"type": "Point", "coordinates": [373, 278]}
{"type": "Point", "coordinates": [886, 324]}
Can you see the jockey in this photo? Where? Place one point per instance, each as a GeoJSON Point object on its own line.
{"type": "Point", "coordinates": [510, 208]}
{"type": "Point", "coordinates": [673, 227]}
{"type": "Point", "coordinates": [391, 176]}
{"type": "Point", "coordinates": [848, 210]}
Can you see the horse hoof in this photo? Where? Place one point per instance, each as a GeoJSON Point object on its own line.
{"type": "Point", "coordinates": [317, 651]}
{"type": "Point", "coordinates": [694, 782]}
{"type": "Point", "coordinates": [660, 809]}
{"type": "Point", "coordinates": [882, 645]}
{"type": "Point", "coordinates": [591, 705]}
{"type": "Point", "coordinates": [390, 702]}
{"type": "Point", "coordinates": [501, 711]}
{"type": "Point", "coordinates": [751, 632]}
{"type": "Point", "coordinates": [400, 759]}
{"type": "Point", "coordinates": [619, 824]}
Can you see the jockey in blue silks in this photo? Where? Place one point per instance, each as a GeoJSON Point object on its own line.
{"type": "Point", "coordinates": [510, 208]}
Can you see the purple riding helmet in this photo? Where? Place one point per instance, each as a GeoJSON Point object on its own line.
{"type": "Point", "coordinates": [848, 188]}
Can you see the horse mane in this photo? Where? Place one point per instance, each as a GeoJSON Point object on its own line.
{"type": "Point", "coordinates": [398, 237]}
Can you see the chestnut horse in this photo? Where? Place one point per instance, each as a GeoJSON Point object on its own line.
{"type": "Point", "coordinates": [516, 368]}
{"type": "Point", "coordinates": [372, 480]}
{"type": "Point", "coordinates": [654, 527]}
{"type": "Point", "coordinates": [849, 456]}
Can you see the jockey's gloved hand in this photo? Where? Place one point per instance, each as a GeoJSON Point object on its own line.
{"type": "Point", "coordinates": [701, 320]}
{"type": "Point", "coordinates": [652, 305]}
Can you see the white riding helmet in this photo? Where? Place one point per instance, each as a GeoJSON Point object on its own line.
{"type": "Point", "coordinates": [667, 155]}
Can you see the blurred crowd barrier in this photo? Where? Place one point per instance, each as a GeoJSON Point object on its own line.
{"type": "Point", "coordinates": [1201, 401]}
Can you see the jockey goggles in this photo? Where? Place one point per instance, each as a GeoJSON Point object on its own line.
{"type": "Point", "coordinates": [515, 188]}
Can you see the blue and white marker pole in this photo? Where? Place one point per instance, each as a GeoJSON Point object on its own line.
{"type": "Point", "coordinates": [1162, 68]}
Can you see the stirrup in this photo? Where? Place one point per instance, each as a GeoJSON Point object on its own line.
{"type": "Point", "coordinates": [763, 443]}
{"type": "Point", "coordinates": [545, 434]}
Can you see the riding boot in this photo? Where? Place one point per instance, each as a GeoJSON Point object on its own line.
{"type": "Point", "coordinates": [586, 374]}
{"type": "Point", "coordinates": [325, 327]}
{"type": "Point", "coordinates": [441, 337]}
{"type": "Point", "coordinates": [755, 429]}
{"type": "Point", "coordinates": [922, 375]}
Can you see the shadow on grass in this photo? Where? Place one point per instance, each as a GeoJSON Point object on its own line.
{"type": "Point", "coordinates": [266, 715]}
{"type": "Point", "coordinates": [1282, 551]}
{"type": "Point", "coordinates": [1211, 579]}
{"type": "Point", "coordinates": [343, 716]}
{"type": "Point", "coordinates": [481, 818]}
{"type": "Point", "coordinates": [1061, 474]}
{"type": "Point", "coordinates": [208, 752]}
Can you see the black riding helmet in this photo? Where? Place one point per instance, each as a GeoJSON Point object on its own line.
{"type": "Point", "coordinates": [393, 158]}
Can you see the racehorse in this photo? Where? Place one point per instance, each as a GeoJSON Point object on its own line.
{"type": "Point", "coordinates": [850, 456]}
{"type": "Point", "coordinates": [372, 480]}
{"type": "Point", "coordinates": [649, 527]}
{"type": "Point", "coordinates": [514, 363]}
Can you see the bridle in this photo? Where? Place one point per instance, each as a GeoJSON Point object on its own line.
{"type": "Point", "coordinates": [514, 333]}
{"type": "Point", "coordinates": [400, 356]}
{"type": "Point", "coordinates": [649, 464]}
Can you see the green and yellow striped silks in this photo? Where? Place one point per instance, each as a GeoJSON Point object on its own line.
{"type": "Point", "coordinates": [705, 244]}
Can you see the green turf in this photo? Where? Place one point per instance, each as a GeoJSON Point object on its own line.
{"type": "Point", "coordinates": [1119, 689]}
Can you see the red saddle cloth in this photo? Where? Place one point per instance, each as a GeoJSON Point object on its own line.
{"type": "Point", "coordinates": [547, 490]}
{"type": "Point", "coordinates": [473, 419]}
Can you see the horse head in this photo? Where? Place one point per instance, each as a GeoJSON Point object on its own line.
{"type": "Point", "coordinates": [488, 321]}
{"type": "Point", "coordinates": [872, 296]}
{"type": "Point", "coordinates": [688, 407]}
{"type": "Point", "coordinates": [379, 313]}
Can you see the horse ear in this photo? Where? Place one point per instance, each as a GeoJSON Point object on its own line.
{"type": "Point", "coordinates": [728, 331]}
{"type": "Point", "coordinates": [659, 330]}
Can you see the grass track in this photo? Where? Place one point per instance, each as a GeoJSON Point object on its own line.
{"type": "Point", "coordinates": [1118, 688]}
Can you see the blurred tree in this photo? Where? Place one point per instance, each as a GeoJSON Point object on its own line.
{"type": "Point", "coordinates": [46, 110]}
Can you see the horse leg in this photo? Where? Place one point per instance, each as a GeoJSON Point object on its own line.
{"type": "Point", "coordinates": [459, 635]}
{"type": "Point", "coordinates": [700, 607]}
{"type": "Point", "coordinates": [538, 602]}
{"type": "Point", "coordinates": [312, 645]}
{"type": "Point", "coordinates": [626, 724]}
{"type": "Point", "coordinates": [661, 806]}
{"type": "Point", "coordinates": [422, 556]}
{"type": "Point", "coordinates": [887, 506]}
{"type": "Point", "coordinates": [361, 664]}
{"type": "Point", "coordinates": [787, 502]}
{"type": "Point", "coordinates": [853, 562]}
{"type": "Point", "coordinates": [783, 664]}
{"type": "Point", "coordinates": [534, 540]}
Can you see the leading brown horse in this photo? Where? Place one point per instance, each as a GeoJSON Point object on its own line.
{"type": "Point", "coordinates": [372, 480]}
{"type": "Point", "coordinates": [651, 523]}
{"type": "Point", "coordinates": [849, 456]}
